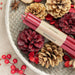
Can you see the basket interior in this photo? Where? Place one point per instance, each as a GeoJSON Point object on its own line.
{"type": "Point", "coordinates": [16, 25]}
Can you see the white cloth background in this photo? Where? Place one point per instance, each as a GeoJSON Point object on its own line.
{"type": "Point", "coordinates": [5, 46]}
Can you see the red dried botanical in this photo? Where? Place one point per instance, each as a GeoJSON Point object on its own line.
{"type": "Point", "coordinates": [29, 40]}
{"type": "Point", "coordinates": [37, 0]}
{"type": "Point", "coordinates": [33, 57]}
{"type": "Point", "coordinates": [72, 6]}
{"type": "Point", "coordinates": [49, 17]}
{"type": "Point", "coordinates": [66, 58]}
{"type": "Point", "coordinates": [72, 10]}
{"type": "Point", "coordinates": [67, 23]}
{"type": "Point", "coordinates": [66, 64]}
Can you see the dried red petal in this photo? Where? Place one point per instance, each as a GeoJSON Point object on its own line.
{"type": "Point", "coordinates": [66, 58]}
{"type": "Point", "coordinates": [72, 6]}
{"type": "Point", "coordinates": [31, 54]}
{"type": "Point", "coordinates": [32, 59]}
{"type": "Point", "coordinates": [36, 60]}
{"type": "Point", "coordinates": [49, 17]}
{"type": "Point", "coordinates": [66, 64]}
{"type": "Point", "coordinates": [72, 10]}
{"type": "Point", "coordinates": [37, 0]}
{"type": "Point", "coordinates": [56, 25]}
{"type": "Point", "coordinates": [52, 22]}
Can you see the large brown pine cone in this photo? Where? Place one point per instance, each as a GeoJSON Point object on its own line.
{"type": "Point", "coordinates": [28, 41]}
{"type": "Point", "coordinates": [38, 9]}
{"type": "Point", "coordinates": [50, 55]}
{"type": "Point", "coordinates": [57, 8]}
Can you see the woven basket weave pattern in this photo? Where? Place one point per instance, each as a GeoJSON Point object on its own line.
{"type": "Point", "coordinates": [16, 25]}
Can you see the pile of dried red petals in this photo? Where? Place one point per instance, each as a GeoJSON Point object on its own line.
{"type": "Point", "coordinates": [69, 62]}
{"type": "Point", "coordinates": [33, 57]}
{"type": "Point", "coordinates": [14, 69]}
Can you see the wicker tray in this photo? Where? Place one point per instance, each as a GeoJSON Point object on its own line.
{"type": "Point", "coordinates": [14, 25]}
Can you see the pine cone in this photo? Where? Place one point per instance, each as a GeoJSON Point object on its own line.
{"type": "Point", "coordinates": [38, 9]}
{"type": "Point", "coordinates": [57, 8]}
{"type": "Point", "coordinates": [67, 23]}
{"type": "Point", "coordinates": [50, 54]}
{"type": "Point", "coordinates": [29, 40]}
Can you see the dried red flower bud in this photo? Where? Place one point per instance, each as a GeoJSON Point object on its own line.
{"type": "Point", "coordinates": [66, 58]}
{"type": "Point", "coordinates": [72, 10]}
{"type": "Point", "coordinates": [72, 6]}
{"type": "Point", "coordinates": [33, 57]}
{"type": "Point", "coordinates": [31, 54]}
{"type": "Point", "coordinates": [37, 0]}
{"type": "Point", "coordinates": [49, 17]}
{"type": "Point", "coordinates": [52, 22]}
{"type": "Point", "coordinates": [36, 60]}
{"type": "Point", "coordinates": [66, 64]}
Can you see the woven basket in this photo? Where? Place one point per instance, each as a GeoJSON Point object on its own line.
{"type": "Point", "coordinates": [14, 25]}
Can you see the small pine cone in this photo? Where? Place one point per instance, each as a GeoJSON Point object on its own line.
{"type": "Point", "coordinates": [57, 8]}
{"type": "Point", "coordinates": [28, 41]}
{"type": "Point", "coordinates": [38, 9]}
{"type": "Point", "coordinates": [50, 55]}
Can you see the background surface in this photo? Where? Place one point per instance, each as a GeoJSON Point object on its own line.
{"type": "Point", "coordinates": [5, 46]}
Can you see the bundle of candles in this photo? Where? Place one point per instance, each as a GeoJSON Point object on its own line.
{"type": "Point", "coordinates": [50, 32]}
